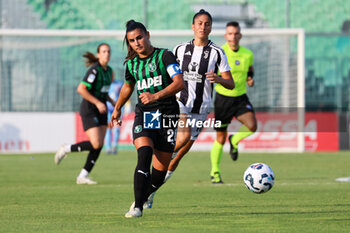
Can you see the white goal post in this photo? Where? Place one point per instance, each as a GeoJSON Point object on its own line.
{"type": "Point", "coordinates": [279, 61]}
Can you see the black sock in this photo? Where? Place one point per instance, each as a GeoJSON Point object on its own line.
{"type": "Point", "coordinates": [91, 159]}
{"type": "Point", "coordinates": [157, 180]}
{"type": "Point", "coordinates": [142, 175]}
{"type": "Point", "coordinates": [81, 146]}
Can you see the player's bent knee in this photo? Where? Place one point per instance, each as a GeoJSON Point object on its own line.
{"type": "Point", "coordinates": [221, 137]}
{"type": "Point", "coordinates": [221, 140]}
{"type": "Point", "coordinates": [253, 128]}
{"type": "Point", "coordinates": [161, 160]}
{"type": "Point", "coordinates": [96, 144]}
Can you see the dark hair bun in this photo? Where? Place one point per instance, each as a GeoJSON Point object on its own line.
{"type": "Point", "coordinates": [131, 25]}
{"type": "Point", "coordinates": [202, 12]}
{"type": "Point", "coordinates": [131, 21]}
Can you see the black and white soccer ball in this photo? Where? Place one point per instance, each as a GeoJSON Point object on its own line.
{"type": "Point", "coordinates": [259, 178]}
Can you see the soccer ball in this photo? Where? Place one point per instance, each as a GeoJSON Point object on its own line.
{"type": "Point", "coordinates": [259, 178]}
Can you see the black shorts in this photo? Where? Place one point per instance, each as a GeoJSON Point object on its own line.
{"type": "Point", "coordinates": [90, 116]}
{"type": "Point", "coordinates": [164, 137]}
{"type": "Point", "coordinates": [226, 108]}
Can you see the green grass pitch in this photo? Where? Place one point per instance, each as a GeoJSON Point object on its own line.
{"type": "Point", "coordinates": [38, 196]}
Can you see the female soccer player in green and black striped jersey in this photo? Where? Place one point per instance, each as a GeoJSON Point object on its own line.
{"type": "Point", "coordinates": [157, 77]}
{"type": "Point", "coordinates": [93, 110]}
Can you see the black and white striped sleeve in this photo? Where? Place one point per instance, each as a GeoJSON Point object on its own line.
{"type": "Point", "coordinates": [222, 61]}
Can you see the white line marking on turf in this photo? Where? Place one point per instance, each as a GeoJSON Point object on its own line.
{"type": "Point", "coordinates": [276, 183]}
{"type": "Point", "coordinates": [343, 179]}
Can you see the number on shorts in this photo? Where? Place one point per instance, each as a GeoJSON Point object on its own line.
{"type": "Point", "coordinates": [170, 133]}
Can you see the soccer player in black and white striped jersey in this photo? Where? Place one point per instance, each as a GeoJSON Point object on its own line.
{"type": "Point", "coordinates": [200, 60]}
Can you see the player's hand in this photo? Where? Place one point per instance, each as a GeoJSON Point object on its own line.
{"type": "Point", "coordinates": [109, 125]}
{"type": "Point", "coordinates": [115, 118]}
{"type": "Point", "coordinates": [101, 107]}
{"type": "Point", "coordinates": [212, 77]}
{"type": "Point", "coordinates": [250, 81]}
{"type": "Point", "coordinates": [147, 97]}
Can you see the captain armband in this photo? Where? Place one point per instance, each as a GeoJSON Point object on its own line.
{"type": "Point", "coordinates": [251, 74]}
{"type": "Point", "coordinates": [173, 70]}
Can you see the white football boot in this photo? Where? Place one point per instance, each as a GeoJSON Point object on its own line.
{"type": "Point", "coordinates": [85, 180]}
{"type": "Point", "coordinates": [149, 203]}
{"type": "Point", "coordinates": [134, 213]}
{"type": "Point", "coordinates": [60, 154]}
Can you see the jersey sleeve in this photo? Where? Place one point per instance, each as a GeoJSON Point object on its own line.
{"type": "Point", "coordinates": [90, 77]}
{"type": "Point", "coordinates": [223, 62]}
{"type": "Point", "coordinates": [251, 59]}
{"type": "Point", "coordinates": [129, 78]}
{"type": "Point", "coordinates": [172, 66]}
{"type": "Point", "coordinates": [176, 52]}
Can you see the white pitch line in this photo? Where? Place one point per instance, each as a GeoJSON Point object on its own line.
{"type": "Point", "coordinates": [276, 183]}
{"type": "Point", "coordinates": [343, 179]}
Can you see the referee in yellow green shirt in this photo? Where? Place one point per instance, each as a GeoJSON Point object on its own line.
{"type": "Point", "coordinates": [233, 103]}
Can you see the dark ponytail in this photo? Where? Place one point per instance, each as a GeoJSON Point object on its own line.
{"type": "Point", "coordinates": [90, 58]}
{"type": "Point", "coordinates": [131, 25]}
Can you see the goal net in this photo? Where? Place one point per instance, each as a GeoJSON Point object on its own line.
{"type": "Point", "coordinates": [40, 70]}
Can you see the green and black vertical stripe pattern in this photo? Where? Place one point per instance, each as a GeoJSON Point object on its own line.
{"type": "Point", "coordinates": [148, 72]}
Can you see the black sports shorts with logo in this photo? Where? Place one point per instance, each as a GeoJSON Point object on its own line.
{"type": "Point", "coordinates": [163, 138]}
{"type": "Point", "coordinates": [226, 108]}
{"type": "Point", "coordinates": [90, 116]}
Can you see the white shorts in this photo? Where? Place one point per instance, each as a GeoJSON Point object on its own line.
{"type": "Point", "coordinates": [193, 120]}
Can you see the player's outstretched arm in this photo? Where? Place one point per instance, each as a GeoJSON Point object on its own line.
{"type": "Point", "coordinates": [83, 91]}
{"type": "Point", "coordinates": [124, 96]}
{"type": "Point", "coordinates": [225, 79]}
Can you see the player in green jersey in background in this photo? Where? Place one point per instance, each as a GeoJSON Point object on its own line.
{"type": "Point", "coordinates": [233, 103]}
{"type": "Point", "coordinates": [93, 110]}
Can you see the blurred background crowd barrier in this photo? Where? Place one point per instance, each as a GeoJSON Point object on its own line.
{"type": "Point", "coordinates": [40, 73]}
